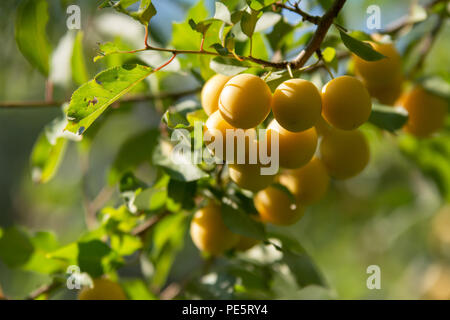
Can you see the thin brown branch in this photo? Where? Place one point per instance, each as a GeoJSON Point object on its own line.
{"type": "Point", "coordinates": [142, 229]}
{"type": "Point", "coordinates": [136, 98]}
{"type": "Point", "coordinates": [45, 289]}
{"type": "Point", "coordinates": [427, 44]}
{"type": "Point", "coordinates": [295, 8]}
{"type": "Point", "coordinates": [405, 21]}
{"type": "Point", "coordinates": [325, 23]}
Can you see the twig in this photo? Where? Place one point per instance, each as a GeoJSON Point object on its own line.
{"type": "Point", "coordinates": [325, 22]}
{"type": "Point", "coordinates": [45, 289]}
{"type": "Point", "coordinates": [295, 8]}
{"type": "Point", "coordinates": [404, 21]}
{"type": "Point", "coordinates": [147, 225]}
{"type": "Point", "coordinates": [139, 98]}
{"type": "Point", "coordinates": [427, 44]}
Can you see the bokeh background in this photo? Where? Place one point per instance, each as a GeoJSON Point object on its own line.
{"type": "Point", "coordinates": [395, 215]}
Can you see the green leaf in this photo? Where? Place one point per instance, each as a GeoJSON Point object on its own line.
{"type": "Point", "coordinates": [388, 118]}
{"type": "Point", "coordinates": [175, 120]}
{"type": "Point", "coordinates": [299, 262]}
{"type": "Point", "coordinates": [437, 85]}
{"type": "Point", "coordinates": [220, 49]}
{"type": "Point", "coordinates": [15, 247]}
{"type": "Point", "coordinates": [248, 22]}
{"type": "Point", "coordinates": [200, 27]}
{"type": "Point", "coordinates": [242, 223]}
{"type": "Point", "coordinates": [78, 63]}
{"type": "Point", "coordinates": [137, 289]}
{"type": "Point", "coordinates": [144, 13]}
{"type": "Point", "coordinates": [260, 4]}
{"type": "Point", "coordinates": [46, 158]}
{"type": "Point", "coordinates": [91, 99]}
{"type": "Point", "coordinates": [167, 240]}
{"type": "Point", "coordinates": [329, 55]}
{"type": "Point", "coordinates": [43, 243]}
{"type": "Point", "coordinates": [125, 244]}
{"type": "Point", "coordinates": [49, 150]}
{"type": "Point", "coordinates": [182, 193]}
{"type": "Point", "coordinates": [91, 257]}
{"type": "Point", "coordinates": [180, 166]}
{"type": "Point", "coordinates": [361, 49]}
{"type": "Point", "coordinates": [267, 20]}
{"type": "Point", "coordinates": [134, 151]}
{"type": "Point", "coordinates": [279, 35]}
{"type": "Point", "coordinates": [31, 21]}
{"type": "Point", "coordinates": [110, 48]}
{"type": "Point", "coordinates": [228, 66]}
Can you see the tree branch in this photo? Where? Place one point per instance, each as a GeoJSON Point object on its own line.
{"type": "Point", "coordinates": [295, 8]}
{"type": "Point", "coordinates": [142, 229]}
{"type": "Point", "coordinates": [427, 44]}
{"type": "Point", "coordinates": [45, 289]}
{"type": "Point", "coordinates": [138, 98]}
{"type": "Point", "coordinates": [314, 44]}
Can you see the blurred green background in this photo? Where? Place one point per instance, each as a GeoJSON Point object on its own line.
{"type": "Point", "coordinates": [393, 215]}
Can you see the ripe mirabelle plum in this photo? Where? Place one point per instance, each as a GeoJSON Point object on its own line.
{"type": "Point", "coordinates": [436, 282]}
{"type": "Point", "coordinates": [246, 243]}
{"type": "Point", "coordinates": [209, 233]}
{"type": "Point", "coordinates": [344, 153]}
{"type": "Point", "coordinates": [211, 92]}
{"type": "Point", "coordinates": [386, 93]}
{"type": "Point", "coordinates": [104, 289]}
{"type": "Point", "coordinates": [426, 112]}
{"type": "Point", "coordinates": [216, 128]}
{"type": "Point", "coordinates": [275, 206]}
{"type": "Point", "coordinates": [346, 103]}
{"type": "Point", "coordinates": [248, 176]}
{"type": "Point", "coordinates": [308, 183]}
{"type": "Point", "coordinates": [245, 101]}
{"type": "Point", "coordinates": [296, 104]}
{"type": "Point", "coordinates": [295, 149]}
{"type": "Point", "coordinates": [379, 71]}
{"type": "Point", "coordinates": [322, 126]}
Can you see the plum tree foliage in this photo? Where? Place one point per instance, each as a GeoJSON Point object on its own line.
{"type": "Point", "coordinates": [254, 72]}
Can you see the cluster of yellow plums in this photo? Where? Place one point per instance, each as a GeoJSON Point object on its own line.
{"type": "Point", "coordinates": [303, 116]}
{"type": "Point", "coordinates": [385, 81]}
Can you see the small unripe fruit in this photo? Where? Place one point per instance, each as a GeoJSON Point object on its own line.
{"type": "Point", "coordinates": [248, 176]}
{"type": "Point", "coordinates": [346, 103]}
{"type": "Point", "coordinates": [245, 101]}
{"type": "Point", "coordinates": [295, 149]}
{"type": "Point", "coordinates": [344, 153]}
{"type": "Point", "coordinates": [211, 92]}
{"type": "Point", "coordinates": [296, 104]}
{"type": "Point", "coordinates": [308, 183]}
{"type": "Point", "coordinates": [103, 289]}
{"type": "Point", "coordinates": [209, 233]}
{"type": "Point", "coordinates": [380, 71]}
{"type": "Point", "coordinates": [275, 206]}
{"type": "Point", "coordinates": [427, 112]}
{"type": "Point", "coordinates": [246, 243]}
